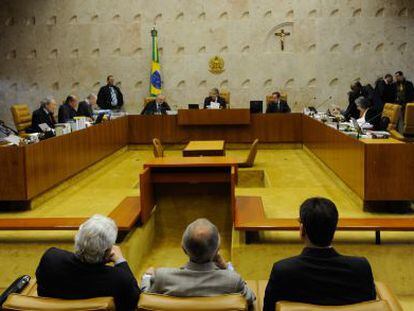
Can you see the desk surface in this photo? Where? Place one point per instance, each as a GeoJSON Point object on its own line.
{"type": "Point", "coordinates": [203, 145]}
{"type": "Point", "coordinates": [191, 161]}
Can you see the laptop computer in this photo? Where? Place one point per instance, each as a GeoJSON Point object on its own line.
{"type": "Point", "coordinates": [193, 106]}
{"type": "Point", "coordinates": [256, 106]}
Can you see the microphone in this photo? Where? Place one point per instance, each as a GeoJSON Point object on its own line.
{"type": "Point", "coordinates": [2, 123]}
{"type": "Point", "coordinates": [371, 119]}
{"type": "Point", "coordinates": [324, 102]}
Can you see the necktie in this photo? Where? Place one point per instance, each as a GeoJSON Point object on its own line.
{"type": "Point", "coordinates": [114, 99]}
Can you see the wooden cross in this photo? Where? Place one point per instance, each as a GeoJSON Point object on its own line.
{"type": "Point", "coordinates": [282, 34]}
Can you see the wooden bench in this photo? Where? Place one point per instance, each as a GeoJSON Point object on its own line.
{"type": "Point", "coordinates": [250, 218]}
{"type": "Point", "coordinates": [125, 215]}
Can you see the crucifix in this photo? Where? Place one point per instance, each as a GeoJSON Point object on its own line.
{"type": "Point", "coordinates": [282, 34]}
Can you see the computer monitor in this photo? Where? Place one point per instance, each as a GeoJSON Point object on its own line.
{"type": "Point", "coordinates": [256, 106]}
{"type": "Point", "coordinates": [193, 106]}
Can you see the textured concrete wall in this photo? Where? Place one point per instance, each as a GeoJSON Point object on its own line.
{"type": "Point", "coordinates": [69, 46]}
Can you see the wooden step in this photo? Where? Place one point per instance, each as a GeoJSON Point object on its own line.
{"type": "Point", "coordinates": [125, 215]}
{"type": "Point", "coordinates": [250, 217]}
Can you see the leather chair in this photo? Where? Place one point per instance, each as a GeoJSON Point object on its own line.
{"type": "Point", "coordinates": [226, 96]}
{"type": "Point", "coordinates": [152, 302]}
{"type": "Point", "coordinates": [251, 156]}
{"type": "Point", "coordinates": [409, 120]}
{"type": "Point", "coordinates": [22, 117]}
{"type": "Point", "coordinates": [393, 112]}
{"type": "Point", "coordinates": [28, 300]}
{"type": "Point", "coordinates": [158, 148]}
{"type": "Point", "coordinates": [386, 301]}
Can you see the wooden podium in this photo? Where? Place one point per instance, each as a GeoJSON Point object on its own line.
{"type": "Point", "coordinates": [213, 117]}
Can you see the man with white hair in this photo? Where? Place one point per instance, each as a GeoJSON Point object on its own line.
{"type": "Point", "coordinates": [44, 115]}
{"type": "Point", "coordinates": [206, 273]}
{"type": "Point", "coordinates": [157, 106]}
{"type": "Point", "coordinates": [85, 273]}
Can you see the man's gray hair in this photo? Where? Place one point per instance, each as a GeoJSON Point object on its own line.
{"type": "Point", "coordinates": [201, 241]}
{"type": "Point", "coordinates": [91, 95]}
{"type": "Point", "coordinates": [95, 237]}
{"type": "Point", "coordinates": [46, 101]}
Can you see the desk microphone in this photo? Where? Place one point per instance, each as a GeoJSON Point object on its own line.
{"type": "Point", "coordinates": [3, 124]}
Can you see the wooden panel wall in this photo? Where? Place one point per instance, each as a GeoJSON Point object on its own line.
{"type": "Point", "coordinates": [389, 172]}
{"type": "Point", "coordinates": [344, 155]}
{"type": "Point", "coordinates": [270, 128]}
{"type": "Point", "coordinates": [52, 161]}
{"type": "Point", "coordinates": [12, 175]}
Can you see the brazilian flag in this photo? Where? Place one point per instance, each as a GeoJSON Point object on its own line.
{"type": "Point", "coordinates": [155, 79]}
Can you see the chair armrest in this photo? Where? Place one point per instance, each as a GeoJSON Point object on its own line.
{"type": "Point", "coordinates": [385, 293]}
{"type": "Point", "coordinates": [397, 135]}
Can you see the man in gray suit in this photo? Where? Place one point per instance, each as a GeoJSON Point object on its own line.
{"type": "Point", "coordinates": [206, 273]}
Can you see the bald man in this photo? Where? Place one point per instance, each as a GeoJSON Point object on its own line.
{"type": "Point", "coordinates": [205, 274]}
{"type": "Point", "coordinates": [158, 106]}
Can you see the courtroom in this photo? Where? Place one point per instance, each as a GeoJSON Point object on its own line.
{"type": "Point", "coordinates": [202, 155]}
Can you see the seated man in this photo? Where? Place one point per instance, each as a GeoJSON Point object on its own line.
{"type": "Point", "coordinates": [85, 273]}
{"type": "Point", "coordinates": [320, 275]}
{"type": "Point", "coordinates": [206, 273]}
{"type": "Point", "coordinates": [357, 90]}
{"type": "Point", "coordinates": [214, 97]}
{"type": "Point", "coordinates": [369, 117]}
{"type": "Point", "coordinates": [67, 111]}
{"type": "Point", "coordinates": [86, 107]}
{"type": "Point", "coordinates": [157, 106]}
{"type": "Point", "coordinates": [44, 115]}
{"type": "Point", "coordinates": [277, 104]}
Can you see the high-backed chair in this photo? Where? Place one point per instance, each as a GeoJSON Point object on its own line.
{"type": "Point", "coordinates": [152, 302]}
{"type": "Point", "coordinates": [22, 117]}
{"type": "Point", "coordinates": [409, 120]}
{"type": "Point", "coordinates": [158, 148]}
{"type": "Point", "coordinates": [226, 96]}
{"type": "Point", "coordinates": [251, 156]}
{"type": "Point", "coordinates": [393, 112]}
{"type": "Point", "coordinates": [147, 100]}
{"type": "Point", "coordinates": [386, 301]}
{"type": "Point", "coordinates": [28, 300]}
{"type": "Point", "coordinates": [283, 96]}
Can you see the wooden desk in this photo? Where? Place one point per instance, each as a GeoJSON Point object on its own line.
{"type": "Point", "coordinates": [29, 170]}
{"type": "Point", "coordinates": [190, 170]}
{"type": "Point", "coordinates": [376, 170]}
{"type": "Point", "coordinates": [210, 117]}
{"type": "Point", "coordinates": [205, 148]}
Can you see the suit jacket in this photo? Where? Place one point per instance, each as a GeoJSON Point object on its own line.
{"type": "Point", "coordinates": [320, 276]}
{"type": "Point", "coordinates": [197, 280]}
{"type": "Point", "coordinates": [61, 274]}
{"type": "Point", "coordinates": [384, 93]}
{"type": "Point", "coordinates": [151, 108]}
{"type": "Point", "coordinates": [104, 97]}
{"type": "Point", "coordinates": [40, 116]}
{"type": "Point", "coordinates": [282, 107]}
{"type": "Point", "coordinates": [405, 92]}
{"type": "Point", "coordinates": [220, 100]}
{"type": "Point", "coordinates": [66, 113]}
{"type": "Point", "coordinates": [85, 109]}
{"type": "Point", "coordinates": [373, 117]}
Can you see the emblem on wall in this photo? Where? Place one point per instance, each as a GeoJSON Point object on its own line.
{"type": "Point", "coordinates": [216, 64]}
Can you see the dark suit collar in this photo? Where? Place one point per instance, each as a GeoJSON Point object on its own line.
{"type": "Point", "coordinates": [208, 266]}
{"type": "Point", "coordinates": [320, 252]}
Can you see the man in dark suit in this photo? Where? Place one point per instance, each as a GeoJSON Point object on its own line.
{"type": "Point", "coordinates": [214, 98]}
{"type": "Point", "coordinates": [320, 275]}
{"type": "Point", "coordinates": [385, 92]}
{"type": "Point", "coordinates": [277, 104]}
{"type": "Point", "coordinates": [44, 115]}
{"type": "Point", "coordinates": [67, 111]}
{"type": "Point", "coordinates": [157, 106]}
{"type": "Point", "coordinates": [357, 90]}
{"type": "Point", "coordinates": [110, 96]}
{"type": "Point", "coordinates": [370, 117]}
{"type": "Point", "coordinates": [86, 107]}
{"type": "Point", "coordinates": [85, 273]}
{"type": "Point", "coordinates": [405, 89]}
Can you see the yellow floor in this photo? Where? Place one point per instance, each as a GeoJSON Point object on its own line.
{"type": "Point", "coordinates": [290, 176]}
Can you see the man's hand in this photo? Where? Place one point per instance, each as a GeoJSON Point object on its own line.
{"type": "Point", "coordinates": [220, 262]}
{"type": "Point", "coordinates": [115, 254]}
{"type": "Point", "coordinates": [150, 271]}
